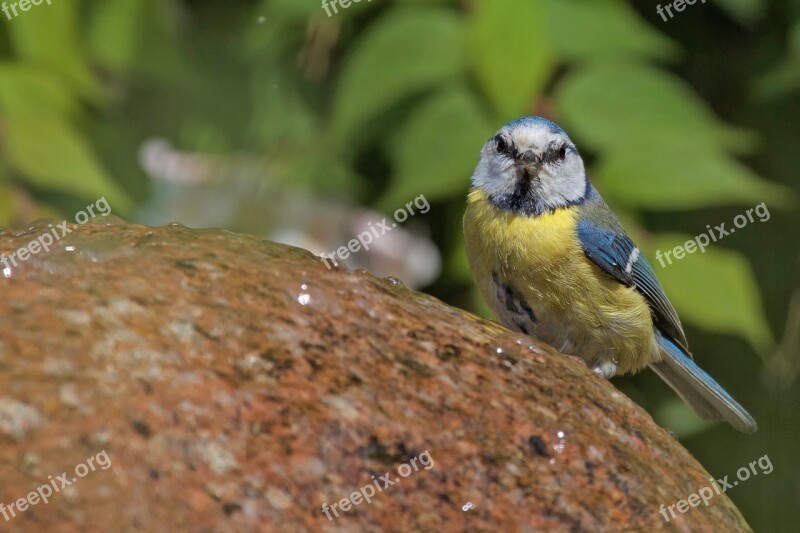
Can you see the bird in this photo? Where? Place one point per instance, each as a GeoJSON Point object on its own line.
{"type": "Point", "coordinates": [552, 261]}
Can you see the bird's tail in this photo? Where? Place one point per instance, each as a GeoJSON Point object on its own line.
{"type": "Point", "coordinates": [704, 395]}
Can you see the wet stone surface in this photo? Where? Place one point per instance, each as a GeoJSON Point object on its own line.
{"type": "Point", "coordinates": [237, 385]}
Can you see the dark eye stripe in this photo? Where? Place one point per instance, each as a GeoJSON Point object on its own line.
{"type": "Point", "coordinates": [557, 153]}
{"type": "Point", "coordinates": [501, 145]}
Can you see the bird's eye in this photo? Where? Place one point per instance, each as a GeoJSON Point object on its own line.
{"type": "Point", "coordinates": [500, 144]}
{"type": "Point", "coordinates": [562, 152]}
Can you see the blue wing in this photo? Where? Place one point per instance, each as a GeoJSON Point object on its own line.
{"type": "Point", "coordinates": [605, 243]}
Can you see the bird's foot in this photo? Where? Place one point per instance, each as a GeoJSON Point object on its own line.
{"type": "Point", "coordinates": [606, 369]}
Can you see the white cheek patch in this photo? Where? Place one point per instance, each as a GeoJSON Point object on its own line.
{"type": "Point", "coordinates": [495, 174]}
{"type": "Point", "coordinates": [563, 183]}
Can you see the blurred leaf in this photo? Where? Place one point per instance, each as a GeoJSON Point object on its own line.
{"type": "Point", "coordinates": [653, 178]}
{"type": "Point", "coordinates": [785, 77]}
{"type": "Point", "coordinates": [280, 27]}
{"type": "Point", "coordinates": [511, 53]}
{"type": "Point", "coordinates": [39, 142]}
{"type": "Point", "coordinates": [480, 307]}
{"type": "Point", "coordinates": [27, 89]}
{"type": "Point", "coordinates": [319, 173]}
{"type": "Point", "coordinates": [279, 114]}
{"type": "Point", "coordinates": [784, 365]}
{"type": "Point", "coordinates": [679, 418]}
{"type": "Point", "coordinates": [284, 9]}
{"type": "Point", "coordinates": [136, 37]}
{"type": "Point", "coordinates": [53, 155]}
{"type": "Point", "coordinates": [601, 29]}
{"type": "Point", "coordinates": [782, 79]}
{"type": "Point", "coordinates": [457, 266]}
{"type": "Point", "coordinates": [745, 12]}
{"type": "Point", "coordinates": [715, 290]}
{"type": "Point", "coordinates": [436, 149]}
{"type": "Point", "coordinates": [613, 105]}
{"type": "Point", "coordinates": [403, 53]}
{"type": "Point", "coordinates": [47, 36]}
{"type": "Point", "coordinates": [115, 31]}
{"type": "Point", "coordinates": [8, 198]}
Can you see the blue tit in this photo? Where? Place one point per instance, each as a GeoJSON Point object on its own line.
{"type": "Point", "coordinates": [552, 261]}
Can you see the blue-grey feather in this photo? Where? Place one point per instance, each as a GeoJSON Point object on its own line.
{"type": "Point", "coordinates": [607, 245]}
{"type": "Point", "coordinates": [698, 389]}
{"type": "Point", "coordinates": [534, 121]}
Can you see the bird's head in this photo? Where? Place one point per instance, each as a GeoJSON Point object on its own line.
{"type": "Point", "coordinates": [531, 167]}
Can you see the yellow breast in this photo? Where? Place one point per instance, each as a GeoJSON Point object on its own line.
{"type": "Point", "coordinates": [578, 308]}
{"type": "Point", "coordinates": [535, 251]}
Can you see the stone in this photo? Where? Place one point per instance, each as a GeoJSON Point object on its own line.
{"type": "Point", "coordinates": [236, 384]}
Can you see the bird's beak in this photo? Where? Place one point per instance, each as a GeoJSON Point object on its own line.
{"type": "Point", "coordinates": [530, 162]}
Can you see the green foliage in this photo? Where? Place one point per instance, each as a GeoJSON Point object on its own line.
{"type": "Point", "coordinates": [48, 39]}
{"type": "Point", "coordinates": [40, 107]}
{"type": "Point", "coordinates": [385, 101]}
{"type": "Point", "coordinates": [728, 299]}
{"type": "Point", "coordinates": [425, 84]}
{"type": "Point", "coordinates": [452, 123]}
{"type": "Point", "coordinates": [745, 11]}
{"type": "Point", "coordinates": [600, 30]}
{"type": "Point", "coordinates": [632, 98]}
{"type": "Point", "coordinates": [784, 77]}
{"type": "Point", "coordinates": [404, 53]}
{"type": "Point", "coordinates": [126, 35]}
{"type": "Point", "coordinates": [652, 180]}
{"type": "Point", "coordinates": [511, 56]}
